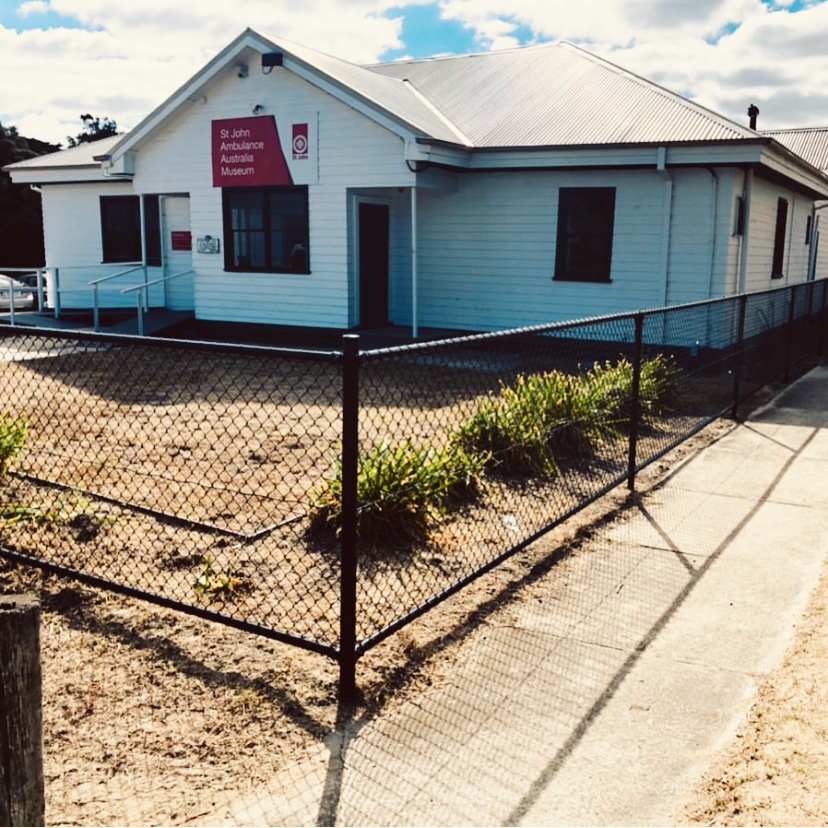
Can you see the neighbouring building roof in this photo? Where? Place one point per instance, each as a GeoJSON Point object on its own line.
{"type": "Point", "coordinates": [83, 155]}
{"type": "Point", "coordinates": [810, 143]}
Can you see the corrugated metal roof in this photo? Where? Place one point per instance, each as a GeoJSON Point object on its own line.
{"type": "Point", "coordinates": [809, 143]}
{"type": "Point", "coordinates": [385, 91]}
{"type": "Point", "coordinates": [82, 155]}
{"type": "Point", "coordinates": [557, 94]}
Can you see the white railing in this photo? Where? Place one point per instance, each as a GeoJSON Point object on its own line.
{"type": "Point", "coordinates": [24, 288]}
{"type": "Point", "coordinates": [142, 295]}
{"type": "Point", "coordinates": [96, 283]}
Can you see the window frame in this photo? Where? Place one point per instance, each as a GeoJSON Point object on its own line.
{"type": "Point", "coordinates": [779, 239]}
{"type": "Point", "coordinates": [119, 241]}
{"type": "Point", "coordinates": [580, 209]}
{"type": "Point", "coordinates": [267, 230]}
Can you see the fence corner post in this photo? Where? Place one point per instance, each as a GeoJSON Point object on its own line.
{"type": "Point", "coordinates": [738, 357]}
{"type": "Point", "coordinates": [21, 719]}
{"type": "Point", "coordinates": [348, 529]}
{"type": "Point", "coordinates": [635, 414]}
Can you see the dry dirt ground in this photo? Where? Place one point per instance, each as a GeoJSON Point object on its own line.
{"type": "Point", "coordinates": [775, 770]}
{"type": "Point", "coordinates": [152, 717]}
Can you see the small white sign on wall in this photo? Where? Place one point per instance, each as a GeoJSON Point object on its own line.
{"type": "Point", "coordinates": [208, 244]}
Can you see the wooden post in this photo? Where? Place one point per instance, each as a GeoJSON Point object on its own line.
{"type": "Point", "coordinates": [21, 728]}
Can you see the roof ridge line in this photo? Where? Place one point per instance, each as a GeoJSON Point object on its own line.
{"type": "Point", "coordinates": [445, 119]}
{"type": "Point", "coordinates": [722, 120]}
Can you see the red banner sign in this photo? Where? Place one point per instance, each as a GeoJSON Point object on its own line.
{"type": "Point", "coordinates": [247, 153]}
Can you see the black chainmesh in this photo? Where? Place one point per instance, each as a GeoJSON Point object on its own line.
{"type": "Point", "coordinates": [194, 474]}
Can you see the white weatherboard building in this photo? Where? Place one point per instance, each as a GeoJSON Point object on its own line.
{"type": "Point", "coordinates": [284, 186]}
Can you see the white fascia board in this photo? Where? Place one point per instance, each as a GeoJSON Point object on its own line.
{"type": "Point", "coordinates": [59, 175]}
{"type": "Point", "coordinates": [793, 168]}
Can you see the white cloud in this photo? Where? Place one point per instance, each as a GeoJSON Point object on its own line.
{"type": "Point", "coordinates": [128, 56]}
{"type": "Point", "coordinates": [726, 54]}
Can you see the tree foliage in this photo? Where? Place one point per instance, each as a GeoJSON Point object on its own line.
{"type": "Point", "coordinates": [94, 128]}
{"type": "Point", "coordinates": [21, 226]}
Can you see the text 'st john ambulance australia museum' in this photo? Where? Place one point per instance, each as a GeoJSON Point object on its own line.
{"type": "Point", "coordinates": [284, 186]}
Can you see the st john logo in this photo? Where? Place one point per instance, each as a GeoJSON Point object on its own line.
{"type": "Point", "coordinates": [300, 141]}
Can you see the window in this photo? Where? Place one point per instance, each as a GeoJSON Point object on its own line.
{"type": "Point", "coordinates": [809, 229]}
{"type": "Point", "coordinates": [152, 231]}
{"type": "Point", "coordinates": [586, 216]}
{"type": "Point", "coordinates": [739, 217]}
{"type": "Point", "coordinates": [779, 239]}
{"type": "Point", "coordinates": [121, 229]}
{"type": "Point", "coordinates": [266, 229]}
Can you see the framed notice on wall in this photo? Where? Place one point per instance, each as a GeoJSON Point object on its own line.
{"type": "Point", "coordinates": [181, 240]}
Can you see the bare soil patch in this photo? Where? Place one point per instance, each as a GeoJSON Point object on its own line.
{"type": "Point", "coordinates": [775, 770]}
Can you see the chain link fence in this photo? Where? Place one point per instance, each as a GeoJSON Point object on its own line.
{"type": "Point", "coordinates": [326, 499]}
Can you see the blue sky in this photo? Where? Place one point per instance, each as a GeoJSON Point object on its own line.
{"type": "Point", "coordinates": [121, 58]}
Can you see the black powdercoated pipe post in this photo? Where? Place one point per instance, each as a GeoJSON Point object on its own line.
{"type": "Point", "coordinates": [737, 356]}
{"type": "Point", "coordinates": [635, 414]}
{"type": "Point", "coordinates": [789, 335]}
{"type": "Point", "coordinates": [348, 529]}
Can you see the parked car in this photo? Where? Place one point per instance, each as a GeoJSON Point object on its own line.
{"type": "Point", "coordinates": [24, 299]}
{"type": "Point", "coordinates": [30, 280]}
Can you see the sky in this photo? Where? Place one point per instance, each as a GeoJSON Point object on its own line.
{"type": "Point", "coordinates": [119, 59]}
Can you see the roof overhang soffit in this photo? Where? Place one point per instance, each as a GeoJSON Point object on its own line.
{"type": "Point", "coordinates": [755, 154]}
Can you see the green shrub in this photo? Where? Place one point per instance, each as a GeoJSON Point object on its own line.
{"type": "Point", "coordinates": [543, 416]}
{"type": "Point", "coordinates": [613, 383]}
{"type": "Point", "coordinates": [401, 490]}
{"type": "Point", "coordinates": [529, 423]}
{"type": "Point", "coordinates": [12, 438]}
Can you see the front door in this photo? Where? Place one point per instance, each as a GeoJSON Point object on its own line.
{"type": "Point", "coordinates": [178, 254]}
{"type": "Point", "coordinates": [373, 264]}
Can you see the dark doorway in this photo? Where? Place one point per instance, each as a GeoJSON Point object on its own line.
{"type": "Point", "coordinates": [373, 265]}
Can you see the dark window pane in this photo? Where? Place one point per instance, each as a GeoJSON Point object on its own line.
{"type": "Point", "coordinates": [266, 229]}
{"type": "Point", "coordinates": [152, 230]}
{"type": "Point", "coordinates": [586, 218]}
{"type": "Point", "coordinates": [779, 239]}
{"type": "Point", "coordinates": [121, 228]}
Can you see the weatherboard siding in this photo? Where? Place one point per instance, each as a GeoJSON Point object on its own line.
{"type": "Point", "coordinates": [487, 251]}
{"type": "Point", "coordinates": [763, 208]}
{"type": "Point", "coordinates": [351, 151]}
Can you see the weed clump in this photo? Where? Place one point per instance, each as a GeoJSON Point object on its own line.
{"type": "Point", "coordinates": [401, 490]}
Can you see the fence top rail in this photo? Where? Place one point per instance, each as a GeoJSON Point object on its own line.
{"type": "Point", "coordinates": [21, 269]}
{"type": "Point", "coordinates": [583, 322]}
{"type": "Point", "coordinates": [231, 348]}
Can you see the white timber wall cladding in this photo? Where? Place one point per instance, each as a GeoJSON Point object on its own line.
{"type": "Point", "coordinates": [487, 251]}
{"type": "Point", "coordinates": [72, 230]}
{"type": "Point", "coordinates": [352, 152]}
{"type": "Point", "coordinates": [763, 209]}
{"type": "Point", "coordinates": [703, 248]}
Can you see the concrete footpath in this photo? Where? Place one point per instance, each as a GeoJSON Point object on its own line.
{"type": "Point", "coordinates": [603, 695]}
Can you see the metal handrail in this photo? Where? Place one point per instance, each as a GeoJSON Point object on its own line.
{"type": "Point", "coordinates": [96, 282]}
{"type": "Point", "coordinates": [24, 288]}
{"type": "Point", "coordinates": [142, 292]}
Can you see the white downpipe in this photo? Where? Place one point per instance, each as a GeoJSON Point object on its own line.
{"type": "Point", "coordinates": [414, 310]}
{"type": "Point", "coordinates": [667, 222]}
{"type": "Point", "coordinates": [743, 264]}
{"type": "Point", "coordinates": [714, 196]}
